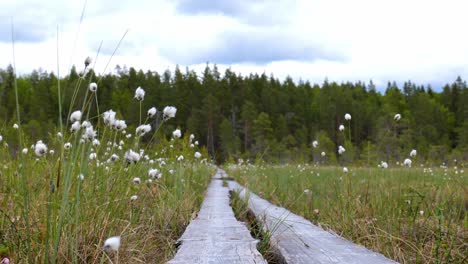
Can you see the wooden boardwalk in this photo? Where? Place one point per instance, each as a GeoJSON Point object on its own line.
{"type": "Point", "coordinates": [215, 236]}
{"type": "Point", "coordinates": [299, 241]}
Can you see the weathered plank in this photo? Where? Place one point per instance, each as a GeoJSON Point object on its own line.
{"type": "Point", "coordinates": [215, 236]}
{"type": "Point", "coordinates": [297, 240]}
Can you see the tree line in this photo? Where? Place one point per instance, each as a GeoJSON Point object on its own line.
{"type": "Point", "coordinates": [258, 116]}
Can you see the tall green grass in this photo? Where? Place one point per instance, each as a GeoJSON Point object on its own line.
{"type": "Point", "coordinates": [97, 207]}
{"type": "Point", "coordinates": [411, 215]}
{"type": "Point", "coordinates": [60, 207]}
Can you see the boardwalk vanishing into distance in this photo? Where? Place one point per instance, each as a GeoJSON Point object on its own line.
{"type": "Point", "coordinates": [216, 236]}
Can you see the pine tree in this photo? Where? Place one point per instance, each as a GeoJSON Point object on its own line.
{"type": "Point", "coordinates": [263, 132]}
{"type": "Point", "coordinates": [248, 115]}
{"type": "Point", "coordinates": [210, 113]}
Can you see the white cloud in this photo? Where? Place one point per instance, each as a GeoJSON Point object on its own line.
{"type": "Point", "coordinates": [343, 40]}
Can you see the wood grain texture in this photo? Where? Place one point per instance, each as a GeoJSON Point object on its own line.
{"type": "Point", "coordinates": [215, 236]}
{"type": "Point", "coordinates": [300, 241]}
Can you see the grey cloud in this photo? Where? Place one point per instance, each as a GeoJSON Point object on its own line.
{"type": "Point", "coordinates": [23, 33]}
{"type": "Point", "coordinates": [259, 47]}
{"type": "Point", "coordinates": [227, 7]}
{"type": "Point", "coordinates": [127, 47]}
{"type": "Point", "coordinates": [33, 21]}
{"type": "Point", "coordinates": [252, 12]}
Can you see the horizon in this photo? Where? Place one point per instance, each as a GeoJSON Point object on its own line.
{"type": "Point", "coordinates": [379, 88]}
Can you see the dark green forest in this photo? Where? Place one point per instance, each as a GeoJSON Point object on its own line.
{"type": "Point", "coordinates": [259, 116]}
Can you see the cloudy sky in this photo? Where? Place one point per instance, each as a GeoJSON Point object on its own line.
{"type": "Point", "coordinates": [420, 40]}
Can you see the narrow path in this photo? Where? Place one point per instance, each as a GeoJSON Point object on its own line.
{"type": "Point", "coordinates": [299, 241]}
{"type": "Point", "coordinates": [215, 236]}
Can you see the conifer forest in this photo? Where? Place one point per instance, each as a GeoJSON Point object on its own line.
{"type": "Point", "coordinates": [259, 116]}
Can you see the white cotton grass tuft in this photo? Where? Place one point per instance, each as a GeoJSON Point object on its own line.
{"type": "Point", "coordinates": [131, 156]}
{"type": "Point", "coordinates": [25, 151]}
{"type": "Point", "coordinates": [196, 143]}
{"type": "Point", "coordinates": [75, 116]}
{"type": "Point", "coordinates": [397, 117]}
{"type": "Point", "coordinates": [152, 112]}
{"type": "Point", "coordinates": [384, 165]}
{"type": "Point", "coordinates": [96, 142]}
{"type": "Point", "coordinates": [85, 124]}
{"type": "Point", "coordinates": [345, 170]}
{"type": "Point", "coordinates": [347, 116]}
{"type": "Point", "coordinates": [109, 117]}
{"type": "Point", "coordinates": [139, 94]}
{"type": "Point", "coordinates": [197, 155]}
{"type": "Point", "coordinates": [153, 173]}
{"type": "Point", "coordinates": [341, 150]}
{"type": "Point", "coordinates": [113, 158]}
{"type": "Point", "coordinates": [59, 134]}
{"type": "Point", "coordinates": [92, 156]}
{"type": "Point", "coordinates": [180, 158]}
{"type": "Point", "coordinates": [1, 138]}
{"type": "Point", "coordinates": [93, 87]}
{"type": "Point", "coordinates": [15, 126]}
{"type": "Point", "coordinates": [169, 112]}
{"type": "Point", "coordinates": [323, 153]}
{"type": "Point", "coordinates": [119, 125]}
{"type": "Point", "coordinates": [87, 61]}
{"type": "Point", "coordinates": [67, 145]}
{"type": "Point", "coordinates": [177, 133]}
{"type": "Point", "coordinates": [40, 148]}
{"type": "Point", "coordinates": [315, 143]}
{"type": "Point", "coordinates": [413, 153]}
{"type": "Point", "coordinates": [136, 180]}
{"type": "Point", "coordinates": [341, 128]}
{"type": "Point", "coordinates": [89, 134]}
{"type": "Point", "coordinates": [142, 130]}
{"type": "Point", "coordinates": [75, 127]}
{"type": "Point", "coordinates": [407, 162]}
{"type": "Point", "coordinates": [133, 198]}
{"type": "Point", "coordinates": [112, 243]}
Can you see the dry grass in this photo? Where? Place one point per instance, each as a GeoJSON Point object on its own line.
{"type": "Point", "coordinates": [409, 215]}
{"type": "Point", "coordinates": [97, 207]}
